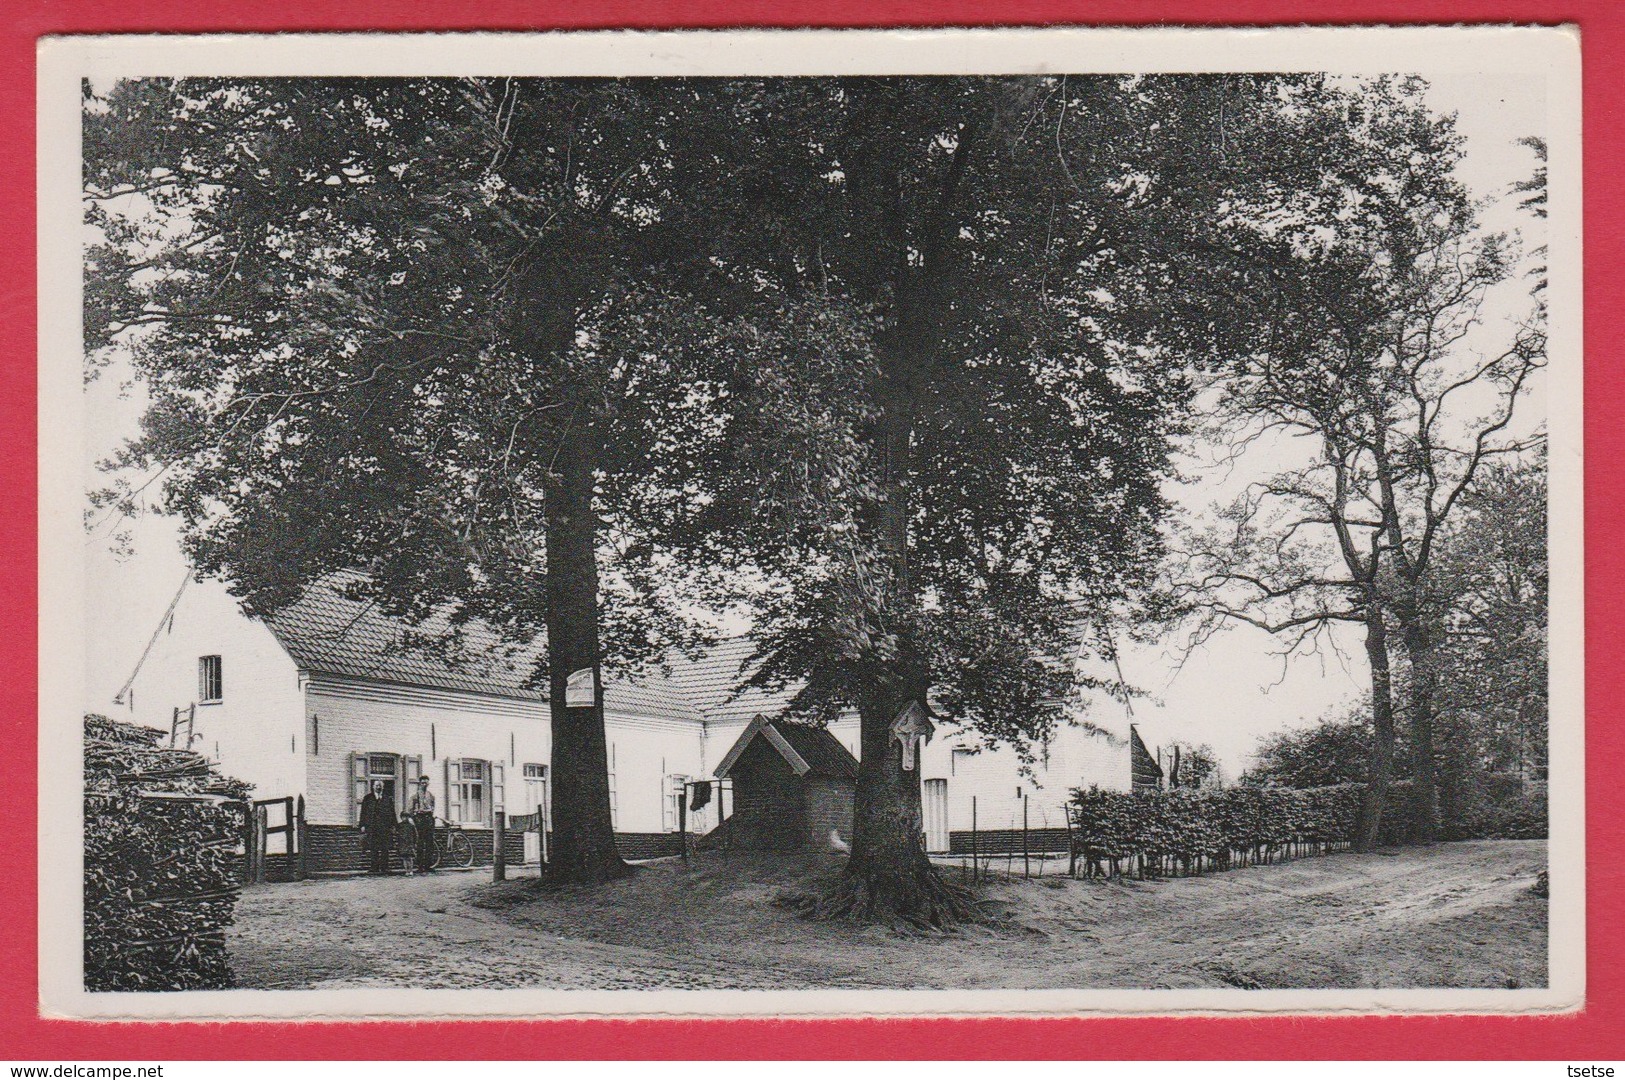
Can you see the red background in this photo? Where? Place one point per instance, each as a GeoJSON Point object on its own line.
{"type": "Point", "coordinates": [1597, 1032]}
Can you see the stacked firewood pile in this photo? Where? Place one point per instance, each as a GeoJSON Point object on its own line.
{"type": "Point", "coordinates": [163, 859]}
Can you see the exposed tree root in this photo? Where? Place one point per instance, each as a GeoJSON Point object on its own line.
{"type": "Point", "coordinates": [554, 875]}
{"type": "Point", "coordinates": [921, 900]}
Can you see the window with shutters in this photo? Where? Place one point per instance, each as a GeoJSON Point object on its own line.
{"type": "Point", "coordinates": [367, 767]}
{"type": "Point", "coordinates": [473, 790]}
{"type": "Point", "coordinates": [614, 798]}
{"type": "Point", "coordinates": [210, 680]}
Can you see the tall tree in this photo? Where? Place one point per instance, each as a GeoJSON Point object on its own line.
{"type": "Point", "coordinates": [1490, 584]}
{"type": "Point", "coordinates": [1013, 278]}
{"type": "Point", "coordinates": [1401, 405]}
{"type": "Point", "coordinates": [414, 327]}
{"type": "Point", "coordinates": [1192, 766]}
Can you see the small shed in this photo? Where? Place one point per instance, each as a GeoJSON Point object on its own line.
{"type": "Point", "coordinates": [793, 784]}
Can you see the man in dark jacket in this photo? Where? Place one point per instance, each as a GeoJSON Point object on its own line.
{"type": "Point", "coordinates": [378, 828]}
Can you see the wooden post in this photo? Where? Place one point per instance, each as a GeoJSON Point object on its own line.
{"type": "Point", "coordinates": [260, 824]}
{"type": "Point", "coordinates": [1071, 849]}
{"type": "Point", "coordinates": [682, 818]}
{"type": "Point", "coordinates": [975, 844]}
{"type": "Point", "coordinates": [1026, 856]}
{"type": "Point", "coordinates": [499, 845]}
{"type": "Point", "coordinates": [248, 843]}
{"type": "Point", "coordinates": [302, 865]}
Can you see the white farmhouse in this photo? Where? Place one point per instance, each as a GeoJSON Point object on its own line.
{"type": "Point", "coordinates": [330, 694]}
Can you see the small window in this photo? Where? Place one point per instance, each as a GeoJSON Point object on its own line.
{"type": "Point", "coordinates": [210, 680]}
{"type": "Point", "coordinates": [380, 767]}
{"type": "Point", "coordinates": [473, 792]}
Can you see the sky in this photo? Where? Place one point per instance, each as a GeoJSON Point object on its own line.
{"type": "Point", "coordinates": [1227, 693]}
{"type": "Point", "coordinates": [1235, 689]}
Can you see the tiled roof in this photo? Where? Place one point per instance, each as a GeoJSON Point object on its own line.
{"type": "Point", "coordinates": [711, 681]}
{"type": "Point", "coordinates": [819, 749]}
{"type": "Point", "coordinates": [806, 748]}
{"type": "Point", "coordinates": [329, 632]}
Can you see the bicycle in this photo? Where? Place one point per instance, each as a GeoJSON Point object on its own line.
{"type": "Point", "coordinates": [451, 846]}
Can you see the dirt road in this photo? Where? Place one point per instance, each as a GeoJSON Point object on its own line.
{"type": "Point", "coordinates": [1457, 915]}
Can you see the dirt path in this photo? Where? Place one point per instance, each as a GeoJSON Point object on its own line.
{"type": "Point", "coordinates": [1458, 915]}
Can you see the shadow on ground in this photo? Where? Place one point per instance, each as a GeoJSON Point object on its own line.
{"type": "Point", "coordinates": [1450, 915]}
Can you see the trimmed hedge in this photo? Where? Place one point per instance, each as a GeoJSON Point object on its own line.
{"type": "Point", "coordinates": [163, 859]}
{"type": "Point", "coordinates": [1192, 831]}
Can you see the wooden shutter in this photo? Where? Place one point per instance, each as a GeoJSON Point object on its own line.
{"type": "Point", "coordinates": [496, 790]}
{"type": "Point", "coordinates": [454, 789]}
{"type": "Point", "coordinates": [358, 781]}
{"type": "Point", "coordinates": [411, 769]}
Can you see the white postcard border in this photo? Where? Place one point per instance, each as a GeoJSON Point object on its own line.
{"type": "Point", "coordinates": [64, 61]}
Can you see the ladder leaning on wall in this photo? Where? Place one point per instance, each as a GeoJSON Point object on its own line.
{"type": "Point", "coordinates": [190, 713]}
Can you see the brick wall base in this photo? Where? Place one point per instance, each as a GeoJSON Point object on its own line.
{"type": "Point", "coordinates": [336, 849]}
{"type": "Point", "coordinates": [1007, 841]}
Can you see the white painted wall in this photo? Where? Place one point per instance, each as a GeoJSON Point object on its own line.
{"type": "Point", "coordinates": [361, 717]}
{"type": "Point", "coordinates": [356, 716]}
{"type": "Point", "coordinates": [291, 741]}
{"type": "Point", "coordinates": [1078, 757]}
{"type": "Point", "coordinates": [253, 732]}
{"type": "Point", "coordinates": [645, 752]}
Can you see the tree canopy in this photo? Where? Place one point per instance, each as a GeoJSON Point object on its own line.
{"type": "Point", "coordinates": [891, 363]}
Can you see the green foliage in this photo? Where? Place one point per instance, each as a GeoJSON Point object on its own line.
{"type": "Point", "coordinates": [1501, 808]}
{"type": "Point", "coordinates": [1334, 751]}
{"type": "Point", "coordinates": [1197, 765]}
{"type": "Point", "coordinates": [1490, 593]}
{"type": "Point", "coordinates": [1027, 273]}
{"type": "Point", "coordinates": [368, 313]}
{"type": "Point", "coordinates": [1193, 825]}
{"type": "Point", "coordinates": [162, 847]}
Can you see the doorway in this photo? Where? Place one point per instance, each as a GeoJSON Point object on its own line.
{"type": "Point", "coordinates": [935, 805]}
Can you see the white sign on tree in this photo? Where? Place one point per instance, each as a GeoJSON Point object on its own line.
{"type": "Point", "coordinates": [580, 690]}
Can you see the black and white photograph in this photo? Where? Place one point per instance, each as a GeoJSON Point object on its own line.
{"type": "Point", "coordinates": [838, 523]}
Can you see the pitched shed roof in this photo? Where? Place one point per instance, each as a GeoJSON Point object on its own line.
{"type": "Point", "coordinates": [806, 748]}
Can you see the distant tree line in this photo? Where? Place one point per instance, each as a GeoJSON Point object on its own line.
{"type": "Point", "coordinates": [1491, 699]}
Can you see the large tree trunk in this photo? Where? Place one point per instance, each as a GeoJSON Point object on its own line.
{"type": "Point", "coordinates": [1381, 764]}
{"type": "Point", "coordinates": [888, 879]}
{"type": "Point", "coordinates": [583, 847]}
{"type": "Point", "coordinates": [1424, 766]}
